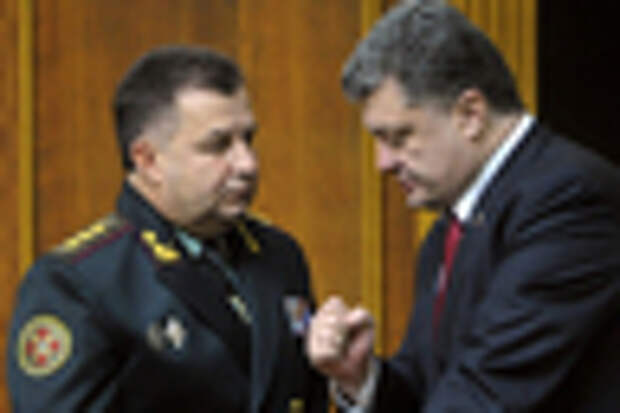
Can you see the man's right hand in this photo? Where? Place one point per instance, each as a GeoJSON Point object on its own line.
{"type": "Point", "coordinates": [340, 344]}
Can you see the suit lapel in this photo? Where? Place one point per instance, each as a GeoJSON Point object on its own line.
{"type": "Point", "coordinates": [511, 172]}
{"type": "Point", "coordinates": [467, 271]}
{"type": "Point", "coordinates": [429, 265]}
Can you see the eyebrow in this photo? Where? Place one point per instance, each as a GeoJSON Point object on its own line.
{"type": "Point", "coordinates": [218, 132]}
{"type": "Point", "coordinates": [398, 130]}
{"type": "Point", "coordinates": [378, 131]}
{"type": "Point", "coordinates": [223, 132]}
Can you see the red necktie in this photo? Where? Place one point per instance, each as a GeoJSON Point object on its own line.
{"type": "Point", "coordinates": [451, 243]}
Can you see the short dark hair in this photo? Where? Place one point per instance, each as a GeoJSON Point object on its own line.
{"type": "Point", "coordinates": [149, 87]}
{"type": "Point", "coordinates": [435, 53]}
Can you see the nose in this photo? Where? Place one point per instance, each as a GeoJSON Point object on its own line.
{"type": "Point", "coordinates": [243, 158]}
{"type": "Point", "coordinates": [385, 157]}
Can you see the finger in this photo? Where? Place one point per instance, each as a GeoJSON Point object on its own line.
{"type": "Point", "coordinates": [334, 305]}
{"type": "Point", "coordinates": [328, 334]}
{"type": "Point", "coordinates": [325, 347]}
{"type": "Point", "coordinates": [326, 322]}
{"type": "Point", "coordinates": [358, 318]}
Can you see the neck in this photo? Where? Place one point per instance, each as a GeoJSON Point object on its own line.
{"type": "Point", "coordinates": [499, 129]}
{"type": "Point", "coordinates": [145, 190]}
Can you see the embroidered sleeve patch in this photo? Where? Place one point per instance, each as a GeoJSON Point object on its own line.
{"type": "Point", "coordinates": [44, 345]}
{"type": "Point", "coordinates": [297, 309]}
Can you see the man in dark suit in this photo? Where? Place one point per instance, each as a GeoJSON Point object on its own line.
{"type": "Point", "coordinates": [518, 284]}
{"type": "Point", "coordinates": [179, 301]}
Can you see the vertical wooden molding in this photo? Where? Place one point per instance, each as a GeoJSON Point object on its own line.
{"type": "Point", "coordinates": [495, 23]}
{"type": "Point", "coordinates": [528, 70]}
{"type": "Point", "coordinates": [26, 132]}
{"type": "Point", "coordinates": [423, 220]}
{"type": "Point", "coordinates": [244, 47]}
{"type": "Point", "coordinates": [371, 210]}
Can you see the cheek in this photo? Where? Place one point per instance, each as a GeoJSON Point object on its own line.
{"type": "Point", "coordinates": [422, 159]}
{"type": "Point", "coordinates": [209, 176]}
{"type": "Point", "coordinates": [452, 165]}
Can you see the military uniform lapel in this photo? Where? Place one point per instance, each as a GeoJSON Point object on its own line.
{"type": "Point", "coordinates": [191, 279]}
{"type": "Point", "coordinates": [265, 304]}
{"type": "Point", "coordinates": [175, 270]}
{"type": "Point", "coordinates": [195, 284]}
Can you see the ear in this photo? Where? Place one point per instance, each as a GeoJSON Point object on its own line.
{"type": "Point", "coordinates": [472, 114]}
{"type": "Point", "coordinates": [144, 154]}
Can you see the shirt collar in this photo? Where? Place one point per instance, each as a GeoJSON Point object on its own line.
{"type": "Point", "coordinates": [464, 206]}
{"type": "Point", "coordinates": [192, 245]}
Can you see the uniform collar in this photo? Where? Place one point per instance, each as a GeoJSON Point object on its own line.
{"type": "Point", "coordinates": [136, 209]}
{"type": "Point", "coordinates": [143, 215]}
{"type": "Point", "coordinates": [240, 236]}
{"type": "Point", "coordinates": [192, 245]}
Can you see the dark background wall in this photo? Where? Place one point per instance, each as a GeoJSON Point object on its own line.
{"type": "Point", "coordinates": [578, 42]}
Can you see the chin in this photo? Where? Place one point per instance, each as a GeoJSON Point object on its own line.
{"type": "Point", "coordinates": [420, 203]}
{"type": "Point", "coordinates": [217, 221]}
{"type": "Point", "coordinates": [414, 201]}
{"type": "Point", "coordinates": [232, 212]}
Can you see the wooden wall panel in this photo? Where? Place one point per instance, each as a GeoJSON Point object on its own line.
{"type": "Point", "coordinates": [360, 238]}
{"type": "Point", "coordinates": [308, 142]}
{"type": "Point", "coordinates": [83, 49]}
{"type": "Point", "coordinates": [9, 153]}
{"type": "Point", "coordinates": [372, 210]}
{"type": "Point", "coordinates": [309, 139]}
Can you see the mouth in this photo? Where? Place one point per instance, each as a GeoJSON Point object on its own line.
{"type": "Point", "coordinates": [238, 195]}
{"type": "Point", "coordinates": [408, 185]}
{"type": "Point", "coordinates": [410, 181]}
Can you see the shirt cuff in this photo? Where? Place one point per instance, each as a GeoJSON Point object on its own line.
{"type": "Point", "coordinates": [362, 401]}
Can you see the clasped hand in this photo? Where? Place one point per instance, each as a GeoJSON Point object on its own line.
{"type": "Point", "coordinates": [340, 344]}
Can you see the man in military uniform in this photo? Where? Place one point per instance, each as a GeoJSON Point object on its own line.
{"type": "Point", "coordinates": [178, 301]}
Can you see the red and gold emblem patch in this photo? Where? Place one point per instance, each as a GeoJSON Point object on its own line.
{"type": "Point", "coordinates": [44, 345]}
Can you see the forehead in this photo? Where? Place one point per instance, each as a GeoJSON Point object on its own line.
{"type": "Point", "coordinates": [206, 106]}
{"type": "Point", "coordinates": [387, 104]}
{"type": "Point", "coordinates": [389, 107]}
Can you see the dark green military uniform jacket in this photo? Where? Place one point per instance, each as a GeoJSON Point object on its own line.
{"type": "Point", "coordinates": [127, 317]}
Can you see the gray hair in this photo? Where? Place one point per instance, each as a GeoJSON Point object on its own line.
{"type": "Point", "coordinates": [435, 53]}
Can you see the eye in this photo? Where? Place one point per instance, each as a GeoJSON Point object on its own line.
{"type": "Point", "coordinates": [393, 137]}
{"type": "Point", "coordinates": [216, 144]}
{"type": "Point", "coordinates": [379, 134]}
{"type": "Point", "coordinates": [248, 136]}
{"type": "Point", "coordinates": [400, 135]}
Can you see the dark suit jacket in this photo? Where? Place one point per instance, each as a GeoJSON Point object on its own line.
{"type": "Point", "coordinates": [532, 316]}
{"type": "Point", "coordinates": [149, 328]}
